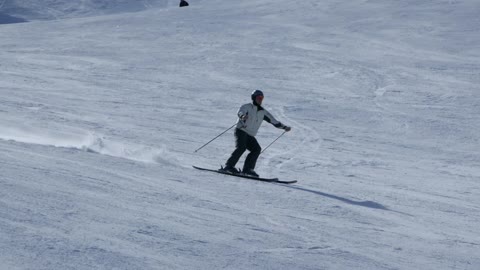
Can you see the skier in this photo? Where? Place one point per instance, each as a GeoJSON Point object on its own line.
{"type": "Point", "coordinates": [183, 3]}
{"type": "Point", "coordinates": [250, 117]}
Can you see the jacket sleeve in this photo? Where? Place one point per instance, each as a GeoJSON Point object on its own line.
{"type": "Point", "coordinates": [243, 111]}
{"type": "Point", "coordinates": [270, 119]}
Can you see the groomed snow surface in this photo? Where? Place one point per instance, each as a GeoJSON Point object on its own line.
{"type": "Point", "coordinates": [104, 102]}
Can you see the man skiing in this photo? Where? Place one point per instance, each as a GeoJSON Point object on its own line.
{"type": "Point", "coordinates": [250, 117]}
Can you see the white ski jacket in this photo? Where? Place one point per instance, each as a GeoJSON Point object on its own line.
{"type": "Point", "coordinates": [251, 117]}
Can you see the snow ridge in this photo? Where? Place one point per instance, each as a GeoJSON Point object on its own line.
{"type": "Point", "coordinates": [83, 140]}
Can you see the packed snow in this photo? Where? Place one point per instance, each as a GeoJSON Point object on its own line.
{"type": "Point", "coordinates": [103, 104]}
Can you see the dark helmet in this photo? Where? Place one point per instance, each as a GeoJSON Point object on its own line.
{"type": "Point", "coordinates": [256, 93]}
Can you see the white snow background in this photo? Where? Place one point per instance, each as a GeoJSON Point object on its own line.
{"type": "Point", "coordinates": [102, 104]}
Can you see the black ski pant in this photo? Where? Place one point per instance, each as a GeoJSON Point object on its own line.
{"type": "Point", "coordinates": [243, 141]}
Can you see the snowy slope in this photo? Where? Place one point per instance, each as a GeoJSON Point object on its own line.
{"type": "Point", "coordinates": [12, 11]}
{"type": "Point", "coordinates": [99, 118]}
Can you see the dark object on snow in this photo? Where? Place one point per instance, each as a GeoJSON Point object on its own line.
{"type": "Point", "coordinates": [183, 3]}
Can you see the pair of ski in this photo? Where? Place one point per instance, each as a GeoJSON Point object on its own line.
{"type": "Point", "coordinates": [270, 180]}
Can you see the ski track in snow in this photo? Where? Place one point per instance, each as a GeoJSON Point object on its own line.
{"type": "Point", "coordinates": [309, 142]}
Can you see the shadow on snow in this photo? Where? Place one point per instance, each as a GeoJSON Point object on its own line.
{"type": "Point", "coordinates": [7, 19]}
{"type": "Point", "coordinates": [368, 204]}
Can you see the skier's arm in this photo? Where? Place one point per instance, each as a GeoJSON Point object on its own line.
{"type": "Point", "coordinates": [270, 119]}
{"type": "Point", "coordinates": [243, 113]}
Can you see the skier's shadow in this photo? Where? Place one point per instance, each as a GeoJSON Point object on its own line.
{"type": "Point", "coordinates": [368, 204]}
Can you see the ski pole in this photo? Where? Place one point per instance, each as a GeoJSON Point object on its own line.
{"type": "Point", "coordinates": [273, 142]}
{"type": "Point", "coordinates": [216, 137]}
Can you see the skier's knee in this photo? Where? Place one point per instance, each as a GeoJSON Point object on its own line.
{"type": "Point", "coordinates": [241, 149]}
